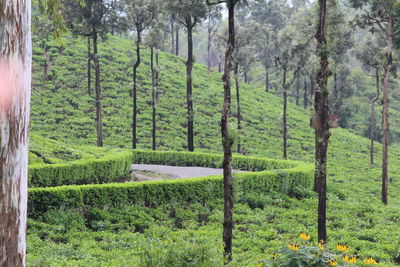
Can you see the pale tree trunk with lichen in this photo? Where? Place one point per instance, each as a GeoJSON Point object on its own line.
{"type": "Point", "coordinates": [15, 84]}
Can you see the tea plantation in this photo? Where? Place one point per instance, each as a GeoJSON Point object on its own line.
{"type": "Point", "coordinates": [177, 232]}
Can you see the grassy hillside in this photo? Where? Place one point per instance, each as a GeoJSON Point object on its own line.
{"type": "Point", "coordinates": [62, 110]}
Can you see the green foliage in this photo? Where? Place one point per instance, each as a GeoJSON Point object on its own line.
{"type": "Point", "coordinates": [272, 175]}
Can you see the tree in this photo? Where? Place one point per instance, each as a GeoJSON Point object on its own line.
{"type": "Point", "coordinates": [370, 56]}
{"type": "Point", "coordinates": [140, 15]}
{"type": "Point", "coordinates": [93, 18]}
{"type": "Point", "coordinates": [293, 51]}
{"type": "Point", "coordinates": [227, 140]}
{"type": "Point", "coordinates": [383, 16]}
{"type": "Point", "coordinates": [213, 19]}
{"type": "Point", "coordinates": [321, 120]}
{"type": "Point", "coordinates": [15, 89]}
{"type": "Point", "coordinates": [189, 14]}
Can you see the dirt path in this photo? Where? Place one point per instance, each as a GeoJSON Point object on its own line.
{"type": "Point", "coordinates": [147, 172]}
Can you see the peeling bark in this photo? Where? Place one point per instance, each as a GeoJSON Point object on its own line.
{"type": "Point", "coordinates": [15, 84]}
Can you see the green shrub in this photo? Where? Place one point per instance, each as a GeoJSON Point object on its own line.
{"type": "Point", "coordinates": [181, 190]}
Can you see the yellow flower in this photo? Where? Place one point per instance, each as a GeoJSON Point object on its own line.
{"type": "Point", "coordinates": [305, 236]}
{"type": "Point", "coordinates": [332, 262]}
{"type": "Point", "coordinates": [294, 246]}
{"type": "Point", "coordinates": [352, 259]}
{"type": "Point", "coordinates": [343, 248]}
{"type": "Point", "coordinates": [321, 246]}
{"type": "Point", "coordinates": [370, 261]}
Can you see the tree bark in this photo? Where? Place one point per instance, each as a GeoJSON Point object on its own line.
{"type": "Point", "coordinates": [385, 111]}
{"type": "Point", "coordinates": [227, 141]}
{"type": "Point", "coordinates": [373, 118]}
{"type": "Point", "coordinates": [15, 91]}
{"type": "Point", "coordinates": [99, 117]}
{"type": "Point", "coordinates": [153, 98]}
{"type": "Point", "coordinates": [322, 134]}
{"type": "Point", "coordinates": [297, 90]}
{"type": "Point", "coordinates": [134, 93]}
{"type": "Point", "coordinates": [335, 94]}
{"type": "Point", "coordinates": [209, 31]}
{"type": "Point", "coordinates": [172, 24]}
{"type": "Point", "coordinates": [239, 116]}
{"type": "Point", "coordinates": [312, 88]}
{"type": "Point", "coordinates": [89, 67]}
{"type": "Point", "coordinates": [284, 119]}
{"type": "Point", "coordinates": [189, 89]}
{"type": "Point", "coordinates": [266, 79]}
{"type": "Point", "coordinates": [177, 41]}
{"type": "Point", "coordinates": [305, 103]}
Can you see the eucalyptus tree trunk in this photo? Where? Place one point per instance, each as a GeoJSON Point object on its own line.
{"type": "Point", "coordinates": [322, 134]}
{"type": "Point", "coordinates": [227, 141]}
{"type": "Point", "coordinates": [385, 111]}
{"type": "Point", "coordinates": [134, 92]}
{"type": "Point", "coordinates": [209, 32]}
{"type": "Point", "coordinates": [177, 41]}
{"type": "Point", "coordinates": [89, 67]}
{"type": "Point", "coordinates": [284, 117]}
{"type": "Point", "coordinates": [239, 115]}
{"type": "Point", "coordinates": [373, 118]}
{"type": "Point", "coordinates": [298, 89]}
{"type": "Point", "coordinates": [172, 24]}
{"type": "Point", "coordinates": [99, 117]}
{"type": "Point", "coordinates": [305, 103]}
{"type": "Point", "coordinates": [153, 98]}
{"type": "Point", "coordinates": [266, 78]}
{"type": "Point", "coordinates": [189, 89]}
{"type": "Point", "coordinates": [15, 88]}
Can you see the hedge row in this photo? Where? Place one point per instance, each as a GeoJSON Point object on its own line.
{"type": "Point", "coordinates": [94, 171]}
{"type": "Point", "coordinates": [294, 177]}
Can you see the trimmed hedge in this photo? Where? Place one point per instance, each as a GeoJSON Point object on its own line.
{"type": "Point", "coordinates": [293, 176]}
{"type": "Point", "coordinates": [93, 171]}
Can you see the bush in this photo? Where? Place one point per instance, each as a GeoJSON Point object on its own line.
{"type": "Point", "coordinates": [191, 190]}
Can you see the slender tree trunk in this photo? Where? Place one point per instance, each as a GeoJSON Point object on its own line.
{"type": "Point", "coordinates": [153, 98]}
{"type": "Point", "coordinates": [227, 142]}
{"type": "Point", "coordinates": [312, 88]}
{"type": "Point", "coordinates": [134, 95]}
{"type": "Point", "coordinates": [177, 40]}
{"type": "Point", "coordinates": [305, 93]}
{"type": "Point", "coordinates": [298, 89]}
{"type": "Point", "coordinates": [99, 117]}
{"type": "Point", "coordinates": [373, 118]}
{"type": "Point", "coordinates": [266, 78]}
{"type": "Point", "coordinates": [172, 24]}
{"type": "Point", "coordinates": [239, 116]}
{"type": "Point", "coordinates": [385, 111]}
{"type": "Point", "coordinates": [209, 39]}
{"type": "Point", "coordinates": [15, 88]}
{"type": "Point", "coordinates": [219, 64]}
{"type": "Point", "coordinates": [322, 134]}
{"type": "Point", "coordinates": [245, 76]}
{"type": "Point", "coordinates": [284, 119]}
{"type": "Point", "coordinates": [46, 61]}
{"type": "Point", "coordinates": [335, 92]}
{"type": "Point", "coordinates": [189, 91]}
{"type": "Point", "coordinates": [89, 67]}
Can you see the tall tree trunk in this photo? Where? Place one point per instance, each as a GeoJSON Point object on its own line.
{"type": "Point", "coordinates": [219, 63]}
{"type": "Point", "coordinates": [134, 93]}
{"type": "Point", "coordinates": [245, 76]}
{"type": "Point", "coordinates": [15, 92]}
{"type": "Point", "coordinates": [284, 121]}
{"type": "Point", "coordinates": [385, 111]}
{"type": "Point", "coordinates": [266, 78]}
{"type": "Point", "coordinates": [189, 89]}
{"type": "Point", "coordinates": [322, 134]}
{"type": "Point", "coordinates": [239, 116]}
{"type": "Point", "coordinates": [209, 39]}
{"type": "Point", "coordinates": [312, 85]}
{"type": "Point", "coordinates": [89, 67]}
{"type": "Point", "coordinates": [172, 24]}
{"type": "Point", "coordinates": [335, 93]}
{"type": "Point", "coordinates": [373, 118]}
{"type": "Point", "coordinates": [153, 98]}
{"type": "Point", "coordinates": [177, 41]}
{"type": "Point", "coordinates": [297, 89]}
{"type": "Point", "coordinates": [99, 117]}
{"type": "Point", "coordinates": [46, 61]}
{"type": "Point", "coordinates": [305, 93]}
{"type": "Point", "coordinates": [227, 141]}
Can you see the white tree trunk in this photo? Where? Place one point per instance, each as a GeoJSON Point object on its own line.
{"type": "Point", "coordinates": [15, 87]}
